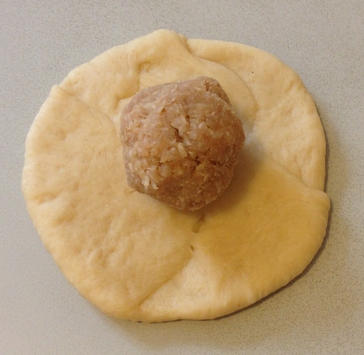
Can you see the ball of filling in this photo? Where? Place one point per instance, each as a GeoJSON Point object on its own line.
{"type": "Point", "coordinates": [181, 142]}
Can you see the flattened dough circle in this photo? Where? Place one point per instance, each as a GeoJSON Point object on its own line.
{"type": "Point", "coordinates": [135, 257]}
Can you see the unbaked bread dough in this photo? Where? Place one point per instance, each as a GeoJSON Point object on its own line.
{"type": "Point", "coordinates": [135, 257]}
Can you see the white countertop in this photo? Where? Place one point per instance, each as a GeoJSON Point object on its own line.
{"type": "Point", "coordinates": [322, 312]}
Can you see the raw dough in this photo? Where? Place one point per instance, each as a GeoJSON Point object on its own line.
{"type": "Point", "coordinates": [133, 256]}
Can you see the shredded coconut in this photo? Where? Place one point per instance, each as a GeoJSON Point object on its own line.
{"type": "Point", "coordinates": [181, 142]}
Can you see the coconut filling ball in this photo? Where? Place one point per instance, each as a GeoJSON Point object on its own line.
{"type": "Point", "coordinates": [181, 142]}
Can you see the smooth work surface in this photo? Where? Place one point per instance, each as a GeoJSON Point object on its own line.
{"type": "Point", "coordinates": [322, 312]}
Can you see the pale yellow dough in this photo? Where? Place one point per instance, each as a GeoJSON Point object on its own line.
{"type": "Point", "coordinates": [136, 258]}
